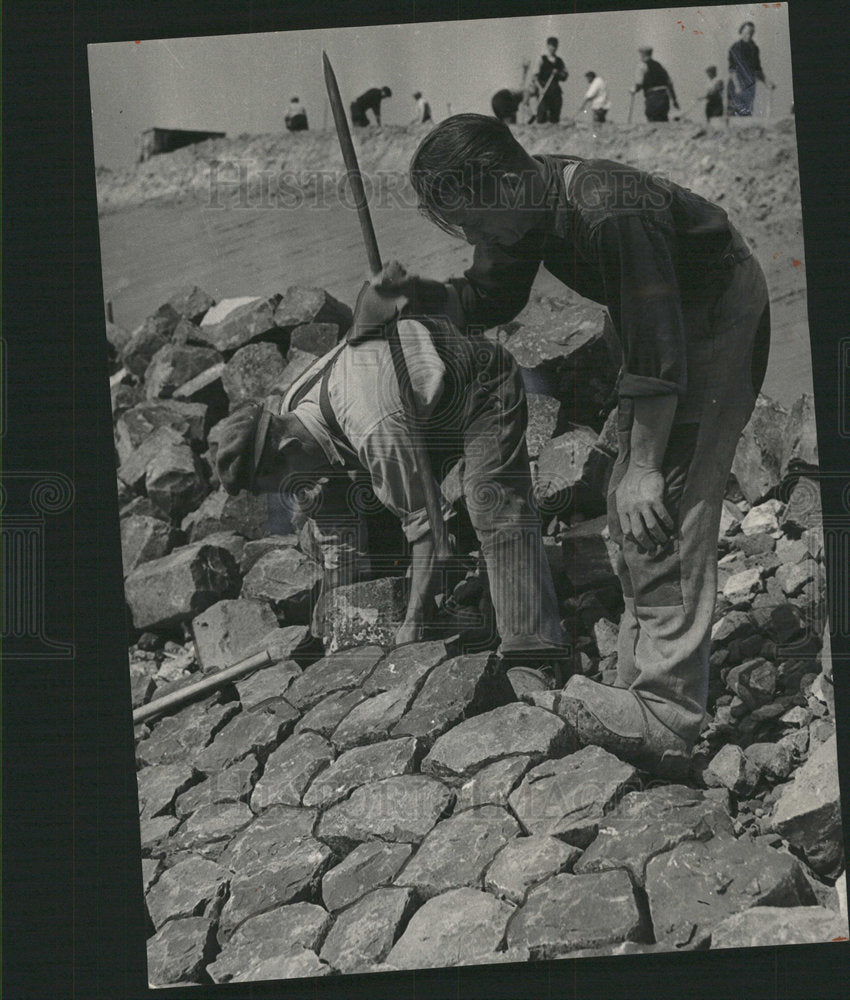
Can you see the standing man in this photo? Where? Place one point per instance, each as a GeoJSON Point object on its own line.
{"type": "Point", "coordinates": [369, 101]}
{"type": "Point", "coordinates": [423, 109]}
{"type": "Point", "coordinates": [689, 303]}
{"type": "Point", "coordinates": [296, 117]}
{"type": "Point", "coordinates": [596, 97]}
{"type": "Point", "coordinates": [744, 70]}
{"type": "Point", "coordinates": [713, 97]}
{"type": "Point", "coordinates": [656, 85]}
{"type": "Point", "coordinates": [552, 69]}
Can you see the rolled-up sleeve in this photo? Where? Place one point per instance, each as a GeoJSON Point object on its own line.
{"type": "Point", "coordinates": [642, 292]}
{"type": "Point", "coordinates": [497, 286]}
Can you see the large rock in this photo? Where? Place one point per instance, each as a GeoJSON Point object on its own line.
{"type": "Point", "coordinates": [132, 469]}
{"type": "Point", "coordinates": [314, 338]}
{"type": "Point", "coordinates": [364, 613]}
{"type": "Point", "coordinates": [191, 302]}
{"type": "Point", "coordinates": [175, 588]}
{"type": "Point", "coordinates": [493, 783]}
{"type": "Point", "coordinates": [808, 813]}
{"type": "Point", "coordinates": [147, 339]}
{"type": "Point", "coordinates": [367, 867]}
{"type": "Point", "coordinates": [226, 629]}
{"type": "Point", "coordinates": [303, 964]}
{"type": "Point", "coordinates": [363, 935]}
{"type": "Point", "coordinates": [800, 441]}
{"type": "Point", "coordinates": [526, 861]}
{"type": "Point", "coordinates": [178, 952]}
{"type": "Point", "coordinates": [458, 850]}
{"type": "Point", "coordinates": [361, 766]}
{"type": "Point", "coordinates": [587, 556]}
{"type": "Point", "coordinates": [542, 420]}
{"type": "Point", "coordinates": [695, 886]}
{"type": "Point", "coordinates": [245, 513]}
{"type": "Point", "coordinates": [769, 926]}
{"type": "Point", "coordinates": [251, 372]}
{"type": "Point", "coordinates": [144, 538]}
{"type": "Point", "coordinates": [174, 480]}
{"type": "Point", "coordinates": [181, 737]}
{"type": "Point", "coordinates": [281, 933]}
{"type": "Point", "coordinates": [268, 837]}
{"type": "Point", "coordinates": [460, 927]}
{"type": "Point", "coordinates": [188, 889]}
{"type": "Point", "coordinates": [758, 458]}
{"type": "Point", "coordinates": [250, 732]}
{"type": "Point", "coordinates": [290, 769]}
{"type": "Point", "coordinates": [207, 390]}
{"type": "Point", "coordinates": [301, 305]}
{"type": "Point", "coordinates": [339, 672]}
{"type": "Point", "coordinates": [732, 769]}
{"type": "Point", "coordinates": [400, 810]}
{"type": "Point", "coordinates": [293, 876]}
{"type": "Point", "coordinates": [280, 643]}
{"type": "Point", "coordinates": [233, 784]}
{"type": "Point", "coordinates": [267, 686]}
{"type": "Point", "coordinates": [174, 365]}
{"type": "Point", "coordinates": [373, 719]}
{"type": "Point", "coordinates": [297, 362]}
{"type": "Point", "coordinates": [208, 830]}
{"type": "Point", "coordinates": [568, 912]}
{"type": "Point", "coordinates": [326, 716]}
{"type": "Point", "coordinates": [561, 465]}
{"type": "Point", "coordinates": [288, 579]}
{"type": "Point", "coordinates": [258, 547]}
{"type": "Point", "coordinates": [188, 420]}
{"type": "Point", "coordinates": [405, 666]}
{"type": "Point", "coordinates": [569, 798]}
{"type": "Point", "coordinates": [233, 323]}
{"type": "Point", "coordinates": [505, 732]}
{"type": "Point", "coordinates": [159, 786]}
{"type": "Point", "coordinates": [646, 824]}
{"type": "Point", "coordinates": [454, 690]}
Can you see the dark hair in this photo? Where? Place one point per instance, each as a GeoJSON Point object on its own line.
{"type": "Point", "coordinates": [712, 70]}
{"type": "Point", "coordinates": [296, 98]}
{"type": "Point", "coordinates": [386, 92]}
{"type": "Point", "coordinates": [451, 164]}
{"type": "Point", "coordinates": [590, 75]}
{"type": "Point", "coordinates": [551, 40]}
{"type": "Point", "coordinates": [744, 25]}
{"type": "Point", "coordinates": [417, 94]}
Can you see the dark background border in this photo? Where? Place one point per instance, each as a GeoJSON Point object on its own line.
{"type": "Point", "coordinates": [72, 906]}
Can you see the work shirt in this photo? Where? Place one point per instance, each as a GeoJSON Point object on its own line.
{"type": "Point", "coordinates": [549, 66]}
{"type": "Point", "coordinates": [651, 74]}
{"type": "Point", "coordinates": [371, 101]}
{"type": "Point", "coordinates": [623, 238]}
{"type": "Point", "coordinates": [745, 62]}
{"type": "Point", "coordinates": [597, 94]}
{"type": "Point", "coordinates": [364, 396]}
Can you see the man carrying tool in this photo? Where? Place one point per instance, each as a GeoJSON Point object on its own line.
{"type": "Point", "coordinates": [689, 302]}
{"type": "Point", "coordinates": [656, 85]}
{"type": "Point", "coordinates": [348, 413]}
{"type": "Point", "coordinates": [550, 74]}
{"type": "Point", "coordinates": [596, 97]}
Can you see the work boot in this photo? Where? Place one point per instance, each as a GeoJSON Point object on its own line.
{"type": "Point", "coordinates": [617, 720]}
{"type": "Point", "coordinates": [529, 671]}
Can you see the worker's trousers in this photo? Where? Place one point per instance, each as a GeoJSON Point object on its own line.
{"type": "Point", "coordinates": [664, 637]}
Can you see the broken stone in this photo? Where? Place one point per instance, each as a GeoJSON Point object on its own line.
{"type": "Point", "coordinates": [290, 769]}
{"type": "Point", "coordinates": [742, 587]}
{"type": "Point", "coordinates": [454, 690]}
{"type": "Point", "coordinates": [773, 760]}
{"type": "Point", "coordinates": [758, 457]}
{"type": "Point", "coordinates": [339, 672]}
{"type": "Point", "coordinates": [235, 322]}
{"type": "Point", "coordinates": [696, 885]}
{"type": "Point", "coordinates": [778, 925]}
{"type": "Point", "coordinates": [314, 338]}
{"type": "Point", "coordinates": [803, 511]}
{"type": "Point", "coordinates": [297, 362]}
{"type": "Point", "coordinates": [587, 556]}
{"type": "Point", "coordinates": [367, 867]}
{"type": "Point", "coordinates": [300, 965]}
{"type": "Point", "coordinates": [208, 829]}
{"type": "Point", "coordinates": [188, 889]}
{"type": "Point", "coordinates": [142, 684]}
{"type": "Point", "coordinates": [267, 685]}
{"type": "Point", "coordinates": [182, 736]}
{"type": "Point", "coordinates": [227, 628]}
{"type": "Point", "coordinates": [288, 579]}
{"type": "Point", "coordinates": [249, 732]}
{"type": "Point", "coordinates": [800, 441]}
{"type": "Point", "coordinates": [364, 613]}
{"type": "Point", "coordinates": [174, 479]}
{"type": "Point", "coordinates": [155, 831]}
{"type": "Point", "coordinates": [167, 591]}
{"type": "Point", "coordinates": [301, 305]}
{"type": "Point", "coordinates": [173, 366]}
{"type": "Point", "coordinates": [244, 513]}
{"type": "Point", "coordinates": [562, 464]}
{"type": "Point", "coordinates": [132, 470]}
{"type": "Point", "coordinates": [763, 518]}
{"type": "Point", "coordinates": [372, 720]}
{"type": "Point", "coordinates": [191, 302]}
{"type": "Point", "coordinates": [292, 876]}
{"type": "Point", "coordinates": [458, 850]}
{"type": "Point", "coordinates": [268, 837]}
{"type": "Point", "coordinates": [808, 813]}
{"type": "Point", "coordinates": [258, 547]}
{"type": "Point", "coordinates": [792, 579]}
{"type": "Point", "coordinates": [568, 912]}
{"type": "Point", "coordinates": [504, 732]}
{"type": "Point", "coordinates": [363, 935]}
{"type": "Point", "coordinates": [525, 861]}
{"type": "Point", "coordinates": [326, 716]}
{"type": "Point", "coordinates": [605, 634]}
{"type": "Point", "coordinates": [206, 388]}
{"type": "Point", "coordinates": [160, 785]}
{"type": "Point", "coordinates": [179, 951]}
{"type": "Point", "coordinates": [228, 540]}
{"type": "Point", "coordinates": [493, 783]}
{"type": "Point", "coordinates": [647, 824]}
{"type": "Point", "coordinates": [281, 643]}
{"type": "Point", "coordinates": [460, 927]}
{"type": "Point", "coordinates": [281, 933]}
{"type": "Point", "coordinates": [150, 872]}
{"type": "Point", "coordinates": [147, 339]}
{"type": "Point", "coordinates": [144, 538]}
{"type": "Point", "coordinates": [734, 770]}
{"type": "Point", "coordinates": [732, 626]}
{"type": "Point", "coordinates": [754, 681]}
{"type": "Point", "coordinates": [403, 809]}
{"type": "Point", "coordinates": [542, 420]}
{"type": "Point", "coordinates": [134, 426]}
{"type": "Point", "coordinates": [252, 372]}
{"type": "Point", "coordinates": [233, 784]}
{"type": "Point", "coordinates": [361, 766]}
{"type": "Point", "coordinates": [405, 666]}
{"type": "Point", "coordinates": [124, 397]}
{"type": "Point", "coordinates": [568, 798]}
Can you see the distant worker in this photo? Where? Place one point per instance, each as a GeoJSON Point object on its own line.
{"type": "Point", "coordinates": [296, 116]}
{"type": "Point", "coordinates": [744, 70]}
{"type": "Point", "coordinates": [713, 97]}
{"type": "Point", "coordinates": [423, 109]}
{"type": "Point", "coordinates": [505, 103]}
{"type": "Point", "coordinates": [656, 85]}
{"type": "Point", "coordinates": [596, 97]}
{"type": "Point", "coordinates": [370, 101]}
{"type": "Point", "coordinates": [550, 74]}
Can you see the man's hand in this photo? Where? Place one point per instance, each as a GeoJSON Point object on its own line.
{"type": "Point", "coordinates": [379, 302]}
{"type": "Point", "coordinates": [640, 506]}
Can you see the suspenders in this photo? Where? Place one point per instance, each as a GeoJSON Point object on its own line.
{"type": "Point", "coordinates": [328, 415]}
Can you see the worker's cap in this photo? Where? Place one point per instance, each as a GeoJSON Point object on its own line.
{"type": "Point", "coordinates": [386, 92]}
{"type": "Point", "coordinates": [417, 94]}
{"type": "Point", "coordinates": [645, 50]}
{"type": "Point", "coordinates": [711, 69]}
{"type": "Point", "coordinates": [590, 74]}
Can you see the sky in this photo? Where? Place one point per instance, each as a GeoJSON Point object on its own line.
{"type": "Point", "coordinates": [241, 84]}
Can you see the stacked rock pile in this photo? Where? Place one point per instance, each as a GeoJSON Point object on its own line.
{"type": "Point", "coordinates": [358, 808]}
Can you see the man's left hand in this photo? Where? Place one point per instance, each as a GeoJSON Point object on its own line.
{"type": "Point", "coordinates": [640, 505]}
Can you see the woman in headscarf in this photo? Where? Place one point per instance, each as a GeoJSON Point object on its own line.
{"type": "Point", "coordinates": [744, 70]}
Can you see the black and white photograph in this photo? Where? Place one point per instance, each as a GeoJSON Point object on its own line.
{"type": "Point", "coordinates": [469, 494]}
